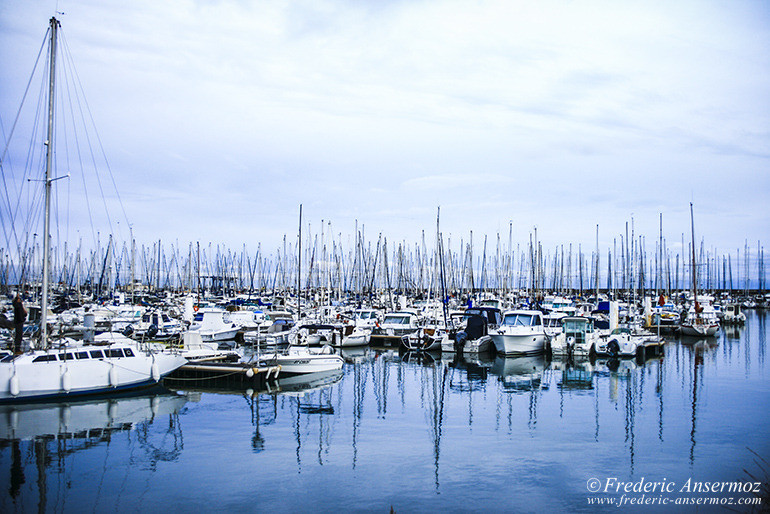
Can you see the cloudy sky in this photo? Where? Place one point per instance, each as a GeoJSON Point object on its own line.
{"type": "Point", "coordinates": [219, 118]}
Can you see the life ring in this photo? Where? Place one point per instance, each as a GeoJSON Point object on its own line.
{"type": "Point", "coordinates": [195, 307]}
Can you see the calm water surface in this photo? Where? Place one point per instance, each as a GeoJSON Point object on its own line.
{"type": "Point", "coordinates": [418, 434]}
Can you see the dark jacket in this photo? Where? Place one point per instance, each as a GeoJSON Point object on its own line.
{"type": "Point", "coordinates": [19, 312]}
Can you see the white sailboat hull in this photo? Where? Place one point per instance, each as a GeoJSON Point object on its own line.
{"type": "Point", "coordinates": [23, 379]}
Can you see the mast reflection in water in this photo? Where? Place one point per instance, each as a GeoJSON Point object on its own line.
{"type": "Point", "coordinates": [418, 432]}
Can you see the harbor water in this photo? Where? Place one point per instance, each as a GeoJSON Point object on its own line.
{"type": "Point", "coordinates": [416, 433]}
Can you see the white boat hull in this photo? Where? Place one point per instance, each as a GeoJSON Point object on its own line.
{"type": "Point", "coordinates": [302, 363]}
{"type": "Point", "coordinates": [519, 344]}
{"type": "Point", "coordinates": [698, 330]}
{"type": "Point", "coordinates": [33, 381]}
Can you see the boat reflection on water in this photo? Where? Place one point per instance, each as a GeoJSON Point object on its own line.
{"type": "Point", "coordinates": [576, 374]}
{"type": "Point", "coordinates": [55, 432]}
{"type": "Point", "coordinates": [356, 354]}
{"type": "Point", "coordinates": [303, 384]}
{"type": "Point", "coordinates": [520, 373]}
{"type": "Point", "coordinates": [84, 419]}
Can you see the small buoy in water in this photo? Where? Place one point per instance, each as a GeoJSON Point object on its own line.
{"type": "Point", "coordinates": [154, 371]}
{"type": "Point", "coordinates": [66, 380]}
{"type": "Point", "coordinates": [250, 372]}
{"type": "Point", "coordinates": [113, 376]}
{"type": "Point", "coordinates": [14, 385]}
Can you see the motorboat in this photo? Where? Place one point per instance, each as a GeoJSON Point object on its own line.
{"type": "Point", "coordinates": [155, 325]}
{"type": "Point", "coordinates": [732, 314]}
{"type": "Point", "coordinates": [521, 332]}
{"type": "Point", "coordinates": [214, 324]}
{"type": "Point", "coordinates": [577, 338]}
{"type": "Point", "coordinates": [474, 333]}
{"type": "Point", "coordinates": [298, 360]}
{"type": "Point", "coordinates": [394, 326]}
{"type": "Point", "coordinates": [623, 342]}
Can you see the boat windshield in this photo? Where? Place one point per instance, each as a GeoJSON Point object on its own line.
{"type": "Point", "coordinates": [396, 320]}
{"type": "Point", "coordinates": [521, 320]}
{"type": "Point", "coordinates": [576, 325]}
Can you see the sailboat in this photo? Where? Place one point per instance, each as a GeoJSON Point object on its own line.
{"type": "Point", "coordinates": [74, 368]}
{"type": "Point", "coordinates": [701, 321]}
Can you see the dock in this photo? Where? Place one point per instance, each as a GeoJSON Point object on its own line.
{"type": "Point", "coordinates": [231, 375]}
{"type": "Point", "coordinates": [651, 349]}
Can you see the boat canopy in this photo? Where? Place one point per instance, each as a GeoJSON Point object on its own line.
{"type": "Point", "coordinates": [522, 319]}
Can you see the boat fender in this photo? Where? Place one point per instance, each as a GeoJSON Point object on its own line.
{"type": "Point", "coordinates": [66, 380]}
{"type": "Point", "coordinates": [154, 371]}
{"type": "Point", "coordinates": [250, 372]}
{"type": "Point", "coordinates": [14, 386]}
{"type": "Point", "coordinates": [113, 376]}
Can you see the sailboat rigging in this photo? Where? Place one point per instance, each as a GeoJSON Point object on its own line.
{"type": "Point", "coordinates": [111, 363]}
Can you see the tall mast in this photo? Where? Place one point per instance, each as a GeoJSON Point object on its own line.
{"type": "Point", "coordinates": [299, 266]}
{"type": "Point", "coordinates": [694, 275]}
{"type": "Point", "coordinates": [48, 165]}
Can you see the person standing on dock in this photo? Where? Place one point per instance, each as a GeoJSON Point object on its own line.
{"type": "Point", "coordinates": [19, 317]}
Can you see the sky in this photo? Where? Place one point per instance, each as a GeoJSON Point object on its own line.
{"type": "Point", "coordinates": [219, 118]}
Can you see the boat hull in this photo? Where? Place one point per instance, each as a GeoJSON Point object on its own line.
{"type": "Point", "coordinates": [303, 364]}
{"type": "Point", "coordinates": [39, 381]}
{"type": "Point", "coordinates": [519, 344]}
{"type": "Point", "coordinates": [698, 330]}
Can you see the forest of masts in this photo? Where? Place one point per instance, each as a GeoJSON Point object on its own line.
{"type": "Point", "coordinates": [457, 266]}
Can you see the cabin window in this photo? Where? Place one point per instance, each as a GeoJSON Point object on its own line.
{"type": "Point", "coordinates": [114, 353]}
{"type": "Point", "coordinates": [397, 320]}
{"type": "Point", "coordinates": [45, 358]}
{"type": "Point", "coordinates": [128, 352]}
{"type": "Point", "coordinates": [166, 319]}
{"type": "Point", "coordinates": [81, 355]}
{"type": "Point", "coordinates": [96, 354]}
{"type": "Point", "coordinates": [69, 356]}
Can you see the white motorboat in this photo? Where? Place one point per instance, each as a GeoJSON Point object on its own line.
{"type": "Point", "coordinates": [577, 338]}
{"type": "Point", "coordinates": [623, 342]}
{"type": "Point", "coordinates": [156, 325]}
{"type": "Point", "coordinates": [297, 360]}
{"type": "Point", "coordinates": [474, 331]}
{"type": "Point", "coordinates": [394, 326]}
{"type": "Point", "coordinates": [521, 332]}
{"type": "Point", "coordinates": [194, 349]}
{"type": "Point", "coordinates": [214, 324]}
{"type": "Point", "coordinates": [732, 314]}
